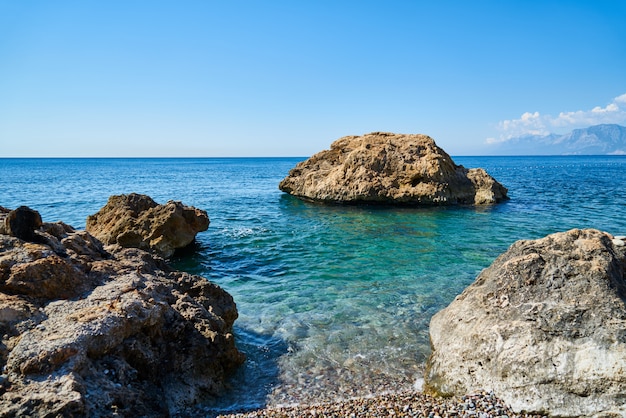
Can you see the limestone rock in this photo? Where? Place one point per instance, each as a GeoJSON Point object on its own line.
{"type": "Point", "coordinates": [543, 327]}
{"type": "Point", "coordinates": [137, 221]}
{"type": "Point", "coordinates": [51, 277]}
{"type": "Point", "coordinates": [391, 169]}
{"type": "Point", "coordinates": [93, 333]}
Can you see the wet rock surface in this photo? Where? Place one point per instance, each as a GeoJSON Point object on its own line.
{"type": "Point", "coordinates": [137, 221]}
{"type": "Point", "coordinates": [94, 331]}
{"type": "Point", "coordinates": [387, 168]}
{"type": "Point", "coordinates": [543, 327]}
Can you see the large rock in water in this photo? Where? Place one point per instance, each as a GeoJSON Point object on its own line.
{"type": "Point", "coordinates": [137, 221]}
{"type": "Point", "coordinates": [392, 169]}
{"type": "Point", "coordinates": [544, 327]}
{"type": "Point", "coordinates": [88, 332]}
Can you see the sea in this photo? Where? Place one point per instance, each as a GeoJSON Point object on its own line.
{"type": "Point", "coordinates": [334, 301]}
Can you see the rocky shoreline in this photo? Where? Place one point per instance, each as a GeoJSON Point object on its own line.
{"type": "Point", "coordinates": [94, 330]}
{"type": "Point", "coordinates": [99, 331]}
{"type": "Point", "coordinates": [543, 327]}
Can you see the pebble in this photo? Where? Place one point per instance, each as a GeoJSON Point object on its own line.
{"type": "Point", "coordinates": [618, 242]}
{"type": "Point", "coordinates": [403, 404]}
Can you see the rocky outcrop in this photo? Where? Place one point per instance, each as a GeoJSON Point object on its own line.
{"type": "Point", "coordinates": [544, 327]}
{"type": "Point", "coordinates": [88, 332]}
{"type": "Point", "coordinates": [391, 169]}
{"type": "Point", "coordinates": [137, 221]}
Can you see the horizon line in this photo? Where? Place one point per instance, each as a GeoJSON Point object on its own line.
{"type": "Point", "coordinates": [278, 157]}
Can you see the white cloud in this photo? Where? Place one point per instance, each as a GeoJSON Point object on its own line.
{"type": "Point", "coordinates": [620, 99]}
{"type": "Point", "coordinates": [537, 124]}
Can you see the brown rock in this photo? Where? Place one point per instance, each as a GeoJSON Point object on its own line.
{"type": "Point", "coordinates": [50, 277]}
{"type": "Point", "coordinates": [137, 340]}
{"type": "Point", "coordinates": [22, 223]}
{"type": "Point", "coordinates": [390, 168]}
{"type": "Point", "coordinates": [137, 221]}
{"type": "Point", "coordinates": [44, 269]}
{"type": "Point", "coordinates": [543, 327]}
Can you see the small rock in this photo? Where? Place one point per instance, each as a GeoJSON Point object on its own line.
{"type": "Point", "coordinates": [22, 223]}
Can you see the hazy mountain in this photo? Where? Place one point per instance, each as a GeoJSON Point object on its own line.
{"type": "Point", "coordinates": [594, 140]}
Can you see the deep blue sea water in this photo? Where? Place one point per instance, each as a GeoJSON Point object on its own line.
{"type": "Point", "coordinates": [334, 301]}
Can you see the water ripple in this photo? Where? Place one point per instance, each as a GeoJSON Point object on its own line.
{"type": "Point", "coordinates": [333, 301]}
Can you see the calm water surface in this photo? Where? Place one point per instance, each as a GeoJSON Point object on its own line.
{"type": "Point", "coordinates": [333, 301]}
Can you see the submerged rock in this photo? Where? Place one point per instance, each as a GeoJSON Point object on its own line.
{"type": "Point", "coordinates": [137, 221]}
{"type": "Point", "coordinates": [544, 327]}
{"type": "Point", "coordinates": [88, 332]}
{"type": "Point", "coordinates": [391, 169]}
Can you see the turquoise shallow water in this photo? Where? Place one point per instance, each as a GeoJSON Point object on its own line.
{"type": "Point", "coordinates": [334, 301]}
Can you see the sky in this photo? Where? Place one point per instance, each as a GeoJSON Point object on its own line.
{"type": "Point", "coordinates": [286, 78]}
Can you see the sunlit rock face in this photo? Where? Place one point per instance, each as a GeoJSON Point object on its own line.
{"type": "Point", "coordinates": [544, 327]}
{"type": "Point", "coordinates": [137, 221]}
{"type": "Point", "coordinates": [387, 168]}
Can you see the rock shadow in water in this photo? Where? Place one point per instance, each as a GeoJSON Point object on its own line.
{"type": "Point", "coordinates": [250, 386]}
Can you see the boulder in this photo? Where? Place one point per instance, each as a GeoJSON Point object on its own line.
{"type": "Point", "coordinates": [22, 223]}
{"type": "Point", "coordinates": [137, 221]}
{"type": "Point", "coordinates": [387, 168]}
{"type": "Point", "coordinates": [544, 327]}
{"type": "Point", "coordinates": [97, 333]}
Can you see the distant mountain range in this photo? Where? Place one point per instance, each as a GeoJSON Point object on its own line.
{"type": "Point", "coordinates": [594, 140]}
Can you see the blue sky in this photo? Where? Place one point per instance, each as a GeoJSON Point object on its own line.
{"type": "Point", "coordinates": [286, 78]}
